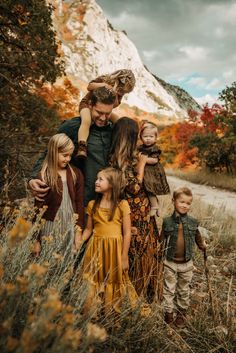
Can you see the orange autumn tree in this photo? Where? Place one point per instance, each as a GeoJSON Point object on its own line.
{"type": "Point", "coordinates": [187, 156]}
{"type": "Point", "coordinates": [63, 97]}
{"type": "Point", "coordinates": [206, 139]}
{"type": "Point", "coordinates": [174, 142]}
{"type": "Point", "coordinates": [168, 144]}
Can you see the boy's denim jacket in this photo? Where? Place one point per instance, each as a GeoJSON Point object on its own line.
{"type": "Point", "coordinates": [191, 235]}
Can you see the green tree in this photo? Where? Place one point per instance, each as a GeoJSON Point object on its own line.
{"type": "Point", "coordinates": [228, 96]}
{"type": "Point", "coordinates": [217, 142]}
{"type": "Point", "coordinates": [28, 58]}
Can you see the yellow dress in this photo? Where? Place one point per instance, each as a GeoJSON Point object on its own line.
{"type": "Point", "coordinates": [102, 268]}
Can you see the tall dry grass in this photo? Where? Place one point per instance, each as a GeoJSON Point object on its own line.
{"type": "Point", "coordinates": [203, 177]}
{"type": "Point", "coordinates": [41, 300]}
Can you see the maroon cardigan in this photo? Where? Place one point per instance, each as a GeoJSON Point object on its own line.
{"type": "Point", "coordinates": [53, 198]}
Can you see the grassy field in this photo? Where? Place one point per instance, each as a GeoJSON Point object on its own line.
{"type": "Point", "coordinates": [41, 313]}
{"type": "Point", "coordinates": [222, 181]}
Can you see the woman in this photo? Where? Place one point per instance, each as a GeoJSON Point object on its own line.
{"type": "Point", "coordinates": [143, 248]}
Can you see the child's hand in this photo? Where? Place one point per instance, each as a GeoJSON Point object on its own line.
{"type": "Point", "coordinates": [152, 161]}
{"type": "Point", "coordinates": [107, 86]}
{"type": "Point", "coordinates": [125, 262]}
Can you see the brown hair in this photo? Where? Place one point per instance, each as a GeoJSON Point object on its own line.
{"type": "Point", "coordinates": [116, 180]}
{"type": "Point", "coordinates": [58, 143]}
{"type": "Point", "coordinates": [124, 141]}
{"type": "Point", "coordinates": [103, 95]}
{"type": "Point", "coordinates": [183, 190]}
{"type": "Point", "coordinates": [123, 81]}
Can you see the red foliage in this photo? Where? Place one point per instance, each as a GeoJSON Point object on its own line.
{"type": "Point", "coordinates": [184, 133]}
{"type": "Point", "coordinates": [208, 118]}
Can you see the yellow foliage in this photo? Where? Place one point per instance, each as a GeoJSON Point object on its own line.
{"type": "Point", "coordinates": [1, 271]}
{"type": "Point", "coordinates": [71, 337]}
{"type": "Point", "coordinates": [12, 344]}
{"type": "Point", "coordinates": [27, 342]}
{"type": "Point", "coordinates": [22, 284]}
{"type": "Point", "coordinates": [96, 332]}
{"type": "Point", "coordinates": [35, 270]}
{"type": "Point", "coordinates": [9, 288]}
{"type": "Point", "coordinates": [19, 231]}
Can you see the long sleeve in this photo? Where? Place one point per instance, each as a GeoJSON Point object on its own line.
{"type": "Point", "coordinates": [79, 198]}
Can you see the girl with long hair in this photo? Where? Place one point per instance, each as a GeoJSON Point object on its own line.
{"type": "Point", "coordinates": [65, 196]}
{"type": "Point", "coordinates": [143, 248]}
{"type": "Point", "coordinates": [108, 229]}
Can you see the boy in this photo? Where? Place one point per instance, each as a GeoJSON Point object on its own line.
{"type": "Point", "coordinates": [179, 233]}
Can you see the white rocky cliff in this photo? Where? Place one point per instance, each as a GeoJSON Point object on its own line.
{"type": "Point", "coordinates": [91, 47]}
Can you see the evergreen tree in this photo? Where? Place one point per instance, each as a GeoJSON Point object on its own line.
{"type": "Point", "coordinates": [28, 58]}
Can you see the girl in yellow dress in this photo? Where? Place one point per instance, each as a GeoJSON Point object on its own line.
{"type": "Point", "coordinates": [108, 229]}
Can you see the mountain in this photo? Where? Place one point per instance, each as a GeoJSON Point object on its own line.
{"type": "Point", "coordinates": [92, 47]}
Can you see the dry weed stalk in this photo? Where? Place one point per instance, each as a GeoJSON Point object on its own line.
{"type": "Point", "coordinates": [39, 315]}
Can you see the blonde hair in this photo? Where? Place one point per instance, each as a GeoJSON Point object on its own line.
{"type": "Point", "coordinates": [58, 143]}
{"type": "Point", "coordinates": [122, 81]}
{"type": "Point", "coordinates": [183, 190]}
{"type": "Point", "coordinates": [148, 125]}
{"type": "Point", "coordinates": [116, 180]}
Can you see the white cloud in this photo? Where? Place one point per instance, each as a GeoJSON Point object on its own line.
{"type": "Point", "coordinates": [215, 83]}
{"type": "Point", "coordinates": [202, 46]}
{"type": "Point", "coordinates": [220, 32]}
{"type": "Point", "coordinates": [194, 53]}
{"type": "Point", "coordinates": [197, 81]}
{"type": "Point", "coordinates": [228, 74]}
{"type": "Point", "coordinates": [207, 99]}
{"type": "Point", "coordinates": [128, 21]}
{"type": "Point", "coordinates": [223, 12]}
{"type": "Point", "coordinates": [150, 54]}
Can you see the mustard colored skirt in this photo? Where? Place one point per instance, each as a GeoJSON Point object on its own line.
{"type": "Point", "coordinates": [107, 284]}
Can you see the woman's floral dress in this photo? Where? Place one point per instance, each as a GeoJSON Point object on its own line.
{"type": "Point", "coordinates": [144, 242]}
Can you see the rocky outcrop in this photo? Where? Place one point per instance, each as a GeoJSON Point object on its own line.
{"type": "Point", "coordinates": [91, 47]}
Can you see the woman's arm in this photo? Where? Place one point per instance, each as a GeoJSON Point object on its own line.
{"type": "Point", "coordinates": [140, 167]}
{"type": "Point", "coordinates": [126, 241]}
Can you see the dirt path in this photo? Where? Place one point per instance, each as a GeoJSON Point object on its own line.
{"type": "Point", "coordinates": [209, 195]}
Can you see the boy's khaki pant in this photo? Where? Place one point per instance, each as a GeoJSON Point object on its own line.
{"type": "Point", "coordinates": [177, 278]}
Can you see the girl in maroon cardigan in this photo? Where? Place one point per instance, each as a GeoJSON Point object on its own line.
{"type": "Point", "coordinates": [65, 195]}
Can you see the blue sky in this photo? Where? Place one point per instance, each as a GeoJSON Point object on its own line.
{"type": "Point", "coordinates": [190, 43]}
